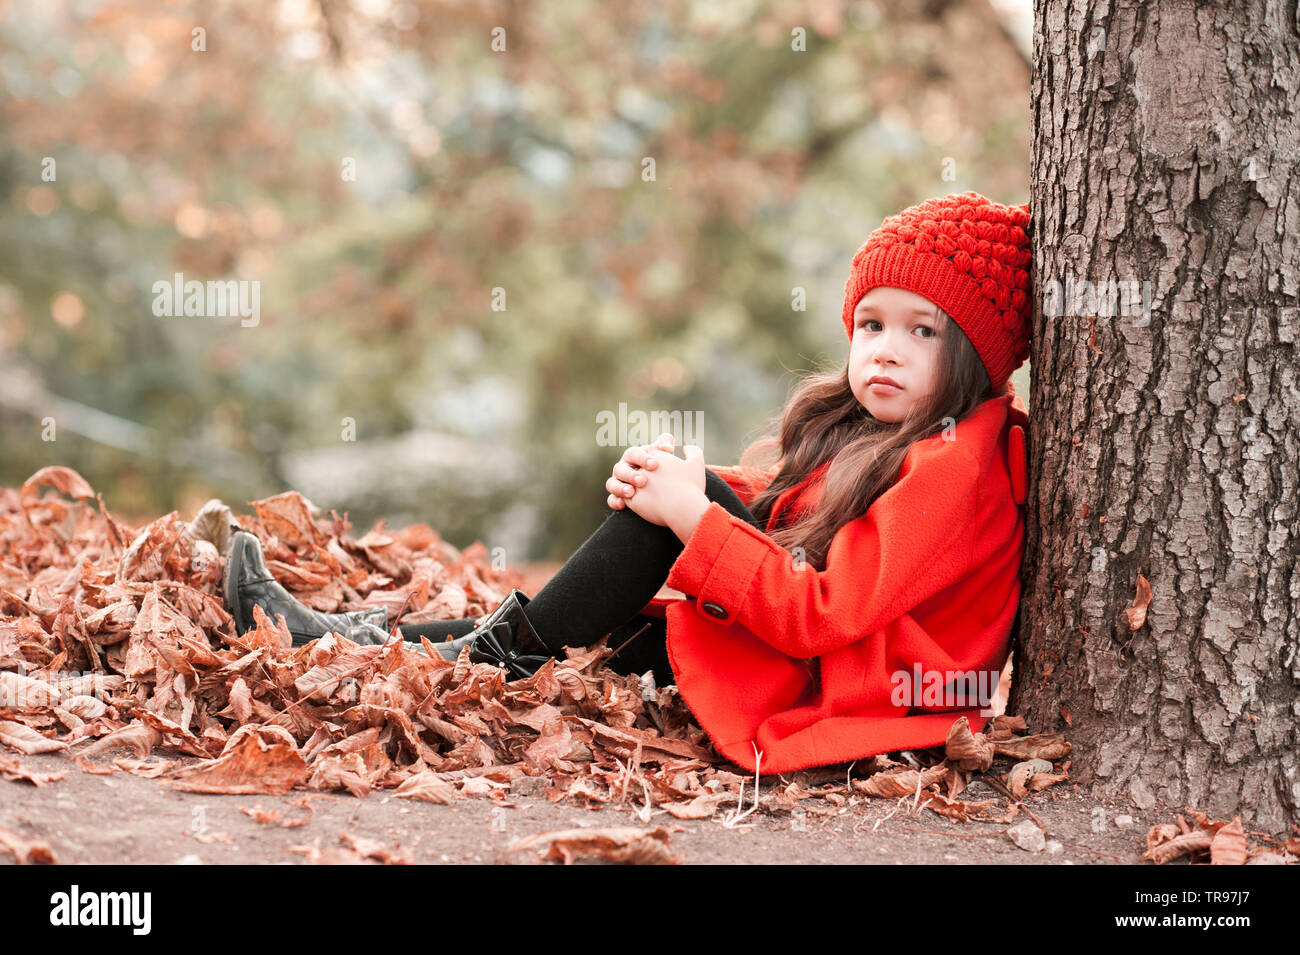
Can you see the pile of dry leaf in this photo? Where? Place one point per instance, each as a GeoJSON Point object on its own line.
{"type": "Point", "coordinates": [1217, 843]}
{"type": "Point", "coordinates": [114, 637]}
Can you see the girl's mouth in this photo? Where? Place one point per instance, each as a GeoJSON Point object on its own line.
{"type": "Point", "coordinates": [880, 388]}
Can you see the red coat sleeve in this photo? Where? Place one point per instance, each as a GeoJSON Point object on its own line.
{"type": "Point", "coordinates": [736, 479]}
{"type": "Point", "coordinates": [915, 541]}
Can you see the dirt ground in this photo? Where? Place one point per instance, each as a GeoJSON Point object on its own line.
{"type": "Point", "coordinates": [123, 818]}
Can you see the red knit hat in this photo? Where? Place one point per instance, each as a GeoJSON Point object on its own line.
{"type": "Point", "coordinates": [968, 255]}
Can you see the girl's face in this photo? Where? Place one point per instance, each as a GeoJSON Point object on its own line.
{"type": "Point", "coordinates": [895, 337]}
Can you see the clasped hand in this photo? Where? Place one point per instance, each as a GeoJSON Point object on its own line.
{"type": "Point", "coordinates": [654, 482]}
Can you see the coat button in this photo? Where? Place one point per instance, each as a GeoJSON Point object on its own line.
{"type": "Point", "coordinates": [715, 610]}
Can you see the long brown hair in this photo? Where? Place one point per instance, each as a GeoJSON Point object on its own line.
{"type": "Point", "coordinates": [824, 421]}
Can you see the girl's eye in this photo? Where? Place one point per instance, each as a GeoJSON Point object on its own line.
{"type": "Point", "coordinates": [867, 324]}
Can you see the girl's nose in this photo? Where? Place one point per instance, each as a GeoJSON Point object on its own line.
{"type": "Point", "coordinates": [885, 349]}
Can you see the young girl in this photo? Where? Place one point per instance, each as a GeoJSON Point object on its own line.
{"type": "Point", "coordinates": [830, 595]}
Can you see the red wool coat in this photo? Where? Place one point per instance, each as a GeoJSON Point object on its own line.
{"type": "Point", "coordinates": [803, 664]}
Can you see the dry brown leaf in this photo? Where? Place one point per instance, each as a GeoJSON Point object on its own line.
{"type": "Point", "coordinates": [345, 771]}
{"type": "Point", "coordinates": [24, 852]}
{"type": "Point", "coordinates": [95, 769]}
{"type": "Point", "coordinates": [23, 692]}
{"type": "Point", "coordinates": [265, 816]}
{"type": "Point", "coordinates": [967, 750]}
{"type": "Point", "coordinates": [1186, 844]}
{"type": "Point", "coordinates": [1040, 781]}
{"type": "Point", "coordinates": [14, 771]}
{"type": "Point", "coordinates": [85, 707]}
{"type": "Point", "coordinates": [330, 855]}
{"type": "Point", "coordinates": [1048, 746]}
{"type": "Point", "coordinates": [26, 740]}
{"type": "Point", "coordinates": [64, 479]}
{"type": "Point", "coordinates": [1266, 857]}
{"type": "Point", "coordinates": [626, 740]}
{"type": "Point", "coordinates": [147, 768]}
{"type": "Point", "coordinates": [374, 849]}
{"type": "Point", "coordinates": [891, 784]}
{"type": "Point", "coordinates": [428, 787]}
{"type": "Point", "coordinates": [961, 810]}
{"type": "Point", "coordinates": [1228, 847]}
{"type": "Point", "coordinates": [289, 516]}
{"type": "Point", "coordinates": [140, 738]}
{"type": "Point", "coordinates": [622, 845]}
{"type": "Point", "coordinates": [175, 734]}
{"type": "Point", "coordinates": [1005, 726]}
{"type": "Point", "coordinates": [1161, 833]}
{"type": "Point", "coordinates": [482, 786]}
{"type": "Point", "coordinates": [1137, 611]}
{"type": "Point", "coordinates": [269, 817]}
{"type": "Point", "coordinates": [1018, 777]}
{"type": "Point", "coordinates": [241, 701]}
{"type": "Point", "coordinates": [703, 806]}
{"type": "Point", "coordinates": [257, 759]}
{"type": "Point", "coordinates": [324, 678]}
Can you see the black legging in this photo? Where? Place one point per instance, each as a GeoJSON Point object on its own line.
{"type": "Point", "coordinates": [602, 588]}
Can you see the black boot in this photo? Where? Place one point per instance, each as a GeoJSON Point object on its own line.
{"type": "Point", "coordinates": [248, 582]}
{"type": "Point", "coordinates": [505, 637]}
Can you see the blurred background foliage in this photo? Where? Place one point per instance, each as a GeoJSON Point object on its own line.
{"type": "Point", "coordinates": [380, 380]}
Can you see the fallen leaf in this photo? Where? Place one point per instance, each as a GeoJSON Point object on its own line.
{"type": "Point", "coordinates": [140, 738]}
{"type": "Point", "coordinates": [146, 768]}
{"type": "Point", "coordinates": [1186, 844]}
{"type": "Point", "coordinates": [703, 806]}
{"type": "Point", "coordinates": [967, 750]}
{"type": "Point", "coordinates": [1266, 857]}
{"type": "Point", "coordinates": [429, 787]}
{"type": "Point", "coordinates": [26, 740]}
{"type": "Point", "coordinates": [1137, 611]}
{"type": "Point", "coordinates": [625, 846]}
{"type": "Point", "coordinates": [373, 849]}
{"type": "Point", "coordinates": [22, 692]}
{"type": "Point", "coordinates": [289, 516]}
{"type": "Point", "coordinates": [1004, 726]}
{"type": "Point", "coordinates": [1228, 847]}
{"type": "Point", "coordinates": [257, 759]}
{"type": "Point", "coordinates": [63, 479]}
{"type": "Point", "coordinates": [14, 771]}
{"type": "Point", "coordinates": [265, 816]}
{"type": "Point", "coordinates": [961, 810]}
{"type": "Point", "coordinates": [891, 784]}
{"type": "Point", "coordinates": [25, 852]}
{"type": "Point", "coordinates": [1048, 746]}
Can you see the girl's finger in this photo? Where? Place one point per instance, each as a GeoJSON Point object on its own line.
{"type": "Point", "coordinates": [629, 475]}
{"type": "Point", "coordinates": [665, 443]}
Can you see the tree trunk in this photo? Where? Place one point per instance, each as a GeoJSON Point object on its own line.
{"type": "Point", "coordinates": [1163, 437]}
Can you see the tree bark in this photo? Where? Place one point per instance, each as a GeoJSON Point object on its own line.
{"type": "Point", "coordinates": [1164, 438]}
